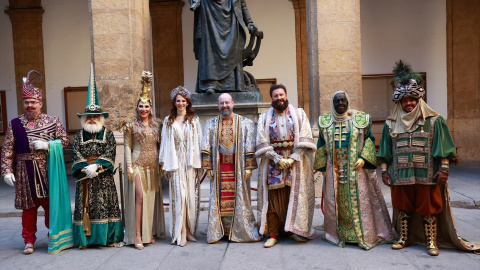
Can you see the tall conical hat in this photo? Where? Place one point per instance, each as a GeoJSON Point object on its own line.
{"type": "Point", "coordinates": [93, 104]}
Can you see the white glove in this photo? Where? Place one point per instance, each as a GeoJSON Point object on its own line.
{"type": "Point", "coordinates": [39, 145]}
{"type": "Point", "coordinates": [91, 170]}
{"type": "Point", "coordinates": [9, 179]}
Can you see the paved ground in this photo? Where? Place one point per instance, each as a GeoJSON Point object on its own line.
{"type": "Point", "coordinates": [315, 254]}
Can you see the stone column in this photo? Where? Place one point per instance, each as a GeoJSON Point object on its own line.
{"type": "Point", "coordinates": [336, 27]}
{"type": "Point", "coordinates": [302, 57]}
{"type": "Point", "coordinates": [167, 44]}
{"type": "Point", "coordinates": [463, 76]}
{"type": "Point", "coordinates": [26, 19]}
{"type": "Point", "coordinates": [121, 50]}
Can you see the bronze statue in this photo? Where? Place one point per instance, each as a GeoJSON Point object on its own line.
{"type": "Point", "coordinates": [219, 41]}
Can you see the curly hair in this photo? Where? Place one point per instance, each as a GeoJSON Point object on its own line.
{"type": "Point", "coordinates": [173, 112]}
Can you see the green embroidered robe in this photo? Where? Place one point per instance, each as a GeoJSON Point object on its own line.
{"type": "Point", "coordinates": [353, 204]}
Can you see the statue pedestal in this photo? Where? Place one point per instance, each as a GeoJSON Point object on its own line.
{"type": "Point", "coordinates": [248, 104]}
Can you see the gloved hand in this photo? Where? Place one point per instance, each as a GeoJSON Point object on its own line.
{"type": "Point", "coordinates": [359, 164]}
{"type": "Point", "coordinates": [91, 170]}
{"type": "Point", "coordinates": [9, 178]}
{"type": "Point", "coordinates": [282, 164]}
{"type": "Point", "coordinates": [39, 145]}
{"type": "Point", "coordinates": [130, 174]}
{"type": "Point", "coordinates": [210, 174]}
{"type": "Point", "coordinates": [441, 176]}
{"type": "Point", "coordinates": [290, 162]}
{"type": "Point", "coordinates": [387, 179]}
{"type": "Point", "coordinates": [248, 174]}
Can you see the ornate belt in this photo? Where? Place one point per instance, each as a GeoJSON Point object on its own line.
{"type": "Point", "coordinates": [91, 159]}
{"type": "Point", "coordinates": [30, 156]}
{"type": "Point", "coordinates": [282, 145]}
{"type": "Point", "coordinates": [227, 158]}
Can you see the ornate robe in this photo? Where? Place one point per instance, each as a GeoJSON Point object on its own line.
{"type": "Point", "coordinates": [239, 139]}
{"type": "Point", "coordinates": [180, 157]}
{"type": "Point", "coordinates": [414, 158]}
{"type": "Point", "coordinates": [103, 210]}
{"type": "Point", "coordinates": [302, 196]}
{"type": "Point", "coordinates": [28, 165]}
{"type": "Point", "coordinates": [142, 151]}
{"type": "Point", "coordinates": [353, 203]}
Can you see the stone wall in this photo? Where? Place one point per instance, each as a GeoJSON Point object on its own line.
{"type": "Point", "coordinates": [463, 72]}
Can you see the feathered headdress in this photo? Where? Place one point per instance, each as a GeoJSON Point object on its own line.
{"type": "Point", "coordinates": [407, 82]}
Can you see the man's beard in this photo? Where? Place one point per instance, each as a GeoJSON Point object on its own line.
{"type": "Point", "coordinates": [280, 107]}
{"type": "Point", "coordinates": [226, 113]}
{"type": "Point", "coordinates": [93, 128]}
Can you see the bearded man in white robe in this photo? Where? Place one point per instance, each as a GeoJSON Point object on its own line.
{"type": "Point", "coordinates": [286, 193]}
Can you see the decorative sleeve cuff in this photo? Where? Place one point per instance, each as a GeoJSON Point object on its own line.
{"type": "Point", "coordinates": [320, 162]}
{"type": "Point", "coordinates": [273, 156]}
{"type": "Point", "coordinates": [369, 153]}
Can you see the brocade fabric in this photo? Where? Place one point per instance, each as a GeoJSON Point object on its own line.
{"type": "Point", "coordinates": [27, 164]}
{"type": "Point", "coordinates": [243, 227]}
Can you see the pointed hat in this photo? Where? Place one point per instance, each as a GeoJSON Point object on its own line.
{"type": "Point", "coordinates": [93, 105]}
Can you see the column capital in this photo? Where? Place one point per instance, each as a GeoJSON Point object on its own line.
{"type": "Point", "coordinates": [299, 4]}
{"type": "Point", "coordinates": [25, 15]}
{"type": "Point", "coordinates": [158, 8]}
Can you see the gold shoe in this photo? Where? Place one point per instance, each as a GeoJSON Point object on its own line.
{"type": "Point", "coordinates": [270, 242]}
{"type": "Point", "coordinates": [430, 223]}
{"type": "Point", "coordinates": [191, 238]}
{"type": "Point", "coordinates": [28, 249]}
{"type": "Point", "coordinates": [403, 218]}
{"type": "Point", "coordinates": [182, 244]}
{"type": "Point", "coordinates": [297, 238]}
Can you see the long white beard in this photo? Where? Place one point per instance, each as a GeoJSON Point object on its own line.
{"type": "Point", "coordinates": [92, 128]}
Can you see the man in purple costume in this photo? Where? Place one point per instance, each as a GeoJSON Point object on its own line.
{"type": "Point", "coordinates": [24, 158]}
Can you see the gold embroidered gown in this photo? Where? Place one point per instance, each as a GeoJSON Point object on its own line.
{"type": "Point", "coordinates": [141, 151]}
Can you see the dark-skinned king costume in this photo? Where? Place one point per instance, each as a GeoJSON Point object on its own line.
{"type": "Point", "coordinates": [228, 149]}
{"type": "Point", "coordinates": [97, 219]}
{"type": "Point", "coordinates": [353, 205]}
{"type": "Point", "coordinates": [415, 150]}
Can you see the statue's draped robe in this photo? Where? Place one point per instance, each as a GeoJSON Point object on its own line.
{"type": "Point", "coordinates": [243, 226]}
{"type": "Point", "coordinates": [219, 40]}
{"type": "Point", "coordinates": [353, 203]}
{"type": "Point", "coordinates": [180, 157]}
{"type": "Point", "coordinates": [104, 213]}
{"type": "Point", "coordinates": [301, 203]}
{"type": "Point", "coordinates": [141, 151]}
{"type": "Point", "coordinates": [433, 142]}
{"type": "Point", "coordinates": [28, 165]}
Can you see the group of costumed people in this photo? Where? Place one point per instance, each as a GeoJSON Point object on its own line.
{"type": "Point", "coordinates": [415, 150]}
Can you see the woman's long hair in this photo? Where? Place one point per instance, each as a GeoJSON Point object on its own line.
{"type": "Point", "coordinates": [173, 112]}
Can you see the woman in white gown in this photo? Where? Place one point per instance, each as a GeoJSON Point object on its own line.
{"type": "Point", "coordinates": [144, 215]}
{"type": "Point", "coordinates": [180, 158]}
